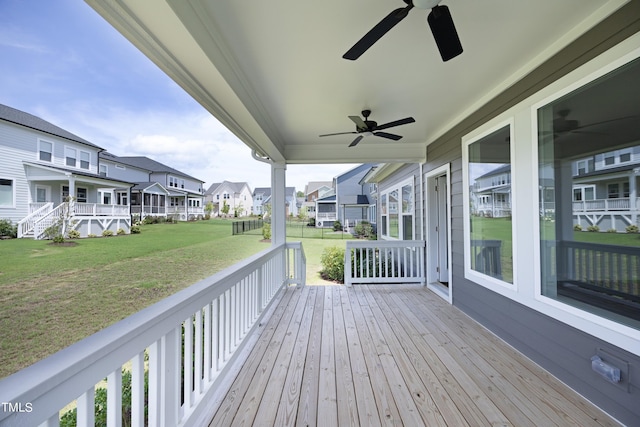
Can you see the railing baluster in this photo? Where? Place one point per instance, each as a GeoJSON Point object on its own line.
{"type": "Point", "coordinates": [187, 358]}
{"type": "Point", "coordinates": [114, 398]}
{"type": "Point", "coordinates": [155, 382]}
{"type": "Point", "coordinates": [137, 390]}
{"type": "Point", "coordinates": [85, 415]}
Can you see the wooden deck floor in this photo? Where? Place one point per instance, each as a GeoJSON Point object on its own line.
{"type": "Point", "coordinates": [390, 355]}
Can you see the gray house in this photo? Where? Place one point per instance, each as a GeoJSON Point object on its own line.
{"type": "Point", "coordinates": [42, 166]}
{"type": "Point", "coordinates": [159, 190]}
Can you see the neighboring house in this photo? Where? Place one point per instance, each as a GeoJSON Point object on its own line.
{"type": "Point", "coordinates": [315, 190]}
{"type": "Point", "coordinates": [262, 198]}
{"type": "Point", "coordinates": [159, 190]}
{"type": "Point", "coordinates": [237, 195]}
{"type": "Point", "coordinates": [349, 203]}
{"type": "Point", "coordinates": [42, 165]}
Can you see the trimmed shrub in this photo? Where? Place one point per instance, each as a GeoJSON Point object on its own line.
{"type": "Point", "coordinates": [612, 230]}
{"type": "Point", "coordinates": [632, 229]}
{"type": "Point", "coordinates": [337, 226]}
{"type": "Point", "coordinates": [332, 261]}
{"type": "Point", "coordinates": [135, 229]}
{"type": "Point", "coordinates": [7, 229]}
{"type": "Point", "coordinates": [73, 234]}
{"type": "Point", "coordinates": [121, 232]}
{"type": "Point", "coordinates": [364, 230]}
{"type": "Point", "coordinates": [266, 231]}
{"type": "Point", "coordinates": [91, 235]}
{"type": "Point", "coordinates": [593, 228]}
{"type": "Point", "coordinates": [107, 233]}
{"type": "Point", "coordinates": [577, 227]}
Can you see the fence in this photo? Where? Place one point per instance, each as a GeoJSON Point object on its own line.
{"type": "Point", "coordinates": [241, 227]}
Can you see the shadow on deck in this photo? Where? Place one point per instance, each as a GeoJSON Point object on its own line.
{"type": "Point", "coordinates": [388, 354]}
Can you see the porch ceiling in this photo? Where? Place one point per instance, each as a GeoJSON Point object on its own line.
{"type": "Point", "coordinates": [273, 72]}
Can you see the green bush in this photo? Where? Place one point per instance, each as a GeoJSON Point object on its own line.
{"type": "Point", "coordinates": [332, 261]}
{"type": "Point", "coordinates": [135, 229]}
{"type": "Point", "coordinates": [121, 232]}
{"type": "Point", "coordinates": [73, 234]}
{"type": "Point", "coordinates": [577, 227]}
{"type": "Point", "coordinates": [632, 229]}
{"type": "Point", "coordinates": [107, 233]}
{"type": "Point", "coordinates": [593, 228]}
{"type": "Point", "coordinates": [612, 230]}
{"type": "Point", "coordinates": [364, 230]}
{"type": "Point", "coordinates": [266, 231]}
{"type": "Point", "coordinates": [7, 229]}
{"type": "Point", "coordinates": [91, 235]}
{"type": "Point", "coordinates": [58, 239]}
{"type": "Point", "coordinates": [337, 226]}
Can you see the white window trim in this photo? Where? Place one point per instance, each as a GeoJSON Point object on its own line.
{"type": "Point", "coordinates": [79, 159]}
{"type": "Point", "coordinates": [68, 148]}
{"type": "Point", "coordinates": [605, 329]}
{"type": "Point", "coordinates": [398, 186]}
{"type": "Point", "coordinates": [496, 285]}
{"type": "Point", "coordinates": [40, 141]}
{"type": "Point", "coordinates": [13, 196]}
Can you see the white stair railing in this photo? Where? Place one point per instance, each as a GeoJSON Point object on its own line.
{"type": "Point", "coordinates": [27, 224]}
{"type": "Point", "coordinates": [184, 345]}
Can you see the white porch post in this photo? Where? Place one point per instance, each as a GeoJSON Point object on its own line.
{"type": "Point", "coordinates": [278, 202]}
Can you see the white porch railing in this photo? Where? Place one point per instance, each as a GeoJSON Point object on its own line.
{"type": "Point", "coordinates": [326, 216]}
{"type": "Point", "coordinates": [96, 209]}
{"type": "Point", "coordinates": [187, 343]}
{"type": "Point", "coordinates": [384, 261]}
{"type": "Point", "coordinates": [606, 205]}
{"type": "Point", "coordinates": [37, 212]}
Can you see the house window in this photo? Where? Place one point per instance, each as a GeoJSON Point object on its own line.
{"type": "Point", "coordinates": [81, 195]}
{"type": "Point", "coordinates": [397, 211]}
{"type": "Point", "coordinates": [225, 196]}
{"type": "Point", "coordinates": [70, 156]}
{"type": "Point", "coordinates": [590, 271]}
{"type": "Point", "coordinates": [45, 151]}
{"type": "Point", "coordinates": [85, 159]}
{"type": "Point", "coordinates": [103, 170]}
{"type": "Point", "coordinates": [384, 215]}
{"type": "Point", "coordinates": [7, 195]}
{"type": "Point", "coordinates": [489, 235]}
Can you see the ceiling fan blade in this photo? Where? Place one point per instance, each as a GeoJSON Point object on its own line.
{"type": "Point", "coordinates": [444, 32]}
{"type": "Point", "coordinates": [387, 23]}
{"type": "Point", "coordinates": [388, 135]}
{"type": "Point", "coordinates": [355, 141]}
{"type": "Point", "coordinates": [339, 133]}
{"type": "Point", "coordinates": [360, 124]}
{"type": "Point", "coordinates": [602, 122]}
{"type": "Point", "coordinates": [396, 123]}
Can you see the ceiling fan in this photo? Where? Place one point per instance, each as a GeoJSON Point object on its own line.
{"type": "Point", "coordinates": [368, 127]}
{"type": "Point", "coordinates": [442, 27]}
{"type": "Point", "coordinates": [563, 125]}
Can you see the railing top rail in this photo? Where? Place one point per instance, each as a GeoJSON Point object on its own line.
{"type": "Point", "coordinates": [384, 243]}
{"type": "Point", "coordinates": [107, 349]}
{"type": "Point", "coordinates": [630, 250]}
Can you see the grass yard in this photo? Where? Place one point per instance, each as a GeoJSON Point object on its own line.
{"type": "Point", "coordinates": [52, 296]}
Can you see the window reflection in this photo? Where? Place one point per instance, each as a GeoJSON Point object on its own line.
{"type": "Point", "coordinates": [491, 205]}
{"type": "Point", "coordinates": [589, 181]}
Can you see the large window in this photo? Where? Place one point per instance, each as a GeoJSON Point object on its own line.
{"type": "Point", "coordinates": [6, 193]}
{"type": "Point", "coordinates": [490, 239]}
{"type": "Point", "coordinates": [590, 253]}
{"type": "Point", "coordinates": [70, 155]}
{"type": "Point", "coordinates": [397, 206]}
{"type": "Point", "coordinates": [85, 159]}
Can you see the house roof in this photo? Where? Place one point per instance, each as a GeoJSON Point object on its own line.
{"type": "Point", "coordinates": [235, 187]}
{"type": "Point", "coordinates": [143, 162]}
{"type": "Point", "coordinates": [21, 118]}
{"type": "Point", "coordinates": [250, 67]}
{"type": "Point", "coordinates": [355, 200]}
{"type": "Point", "coordinates": [316, 185]}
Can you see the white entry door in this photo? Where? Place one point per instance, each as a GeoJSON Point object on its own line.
{"type": "Point", "coordinates": [43, 194]}
{"type": "Point", "coordinates": [438, 234]}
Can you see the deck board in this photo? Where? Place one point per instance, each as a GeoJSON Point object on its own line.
{"type": "Point", "coordinates": [390, 355]}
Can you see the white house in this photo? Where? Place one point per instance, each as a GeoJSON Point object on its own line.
{"type": "Point", "coordinates": [236, 195]}
{"type": "Point", "coordinates": [262, 198]}
{"type": "Point", "coordinates": [42, 165]}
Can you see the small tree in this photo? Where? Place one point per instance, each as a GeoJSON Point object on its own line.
{"type": "Point", "coordinates": [225, 208]}
{"type": "Point", "coordinates": [302, 214]}
{"type": "Point", "coordinates": [208, 209]}
{"type": "Point", "coordinates": [237, 211]}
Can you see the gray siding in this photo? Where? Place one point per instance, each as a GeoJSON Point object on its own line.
{"type": "Point", "coordinates": [125, 172]}
{"type": "Point", "coordinates": [16, 145]}
{"type": "Point", "coordinates": [558, 347]}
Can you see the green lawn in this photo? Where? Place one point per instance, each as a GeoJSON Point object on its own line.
{"type": "Point", "coordinates": [53, 296]}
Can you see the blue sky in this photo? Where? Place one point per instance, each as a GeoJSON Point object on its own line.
{"type": "Point", "coordinates": [60, 61]}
